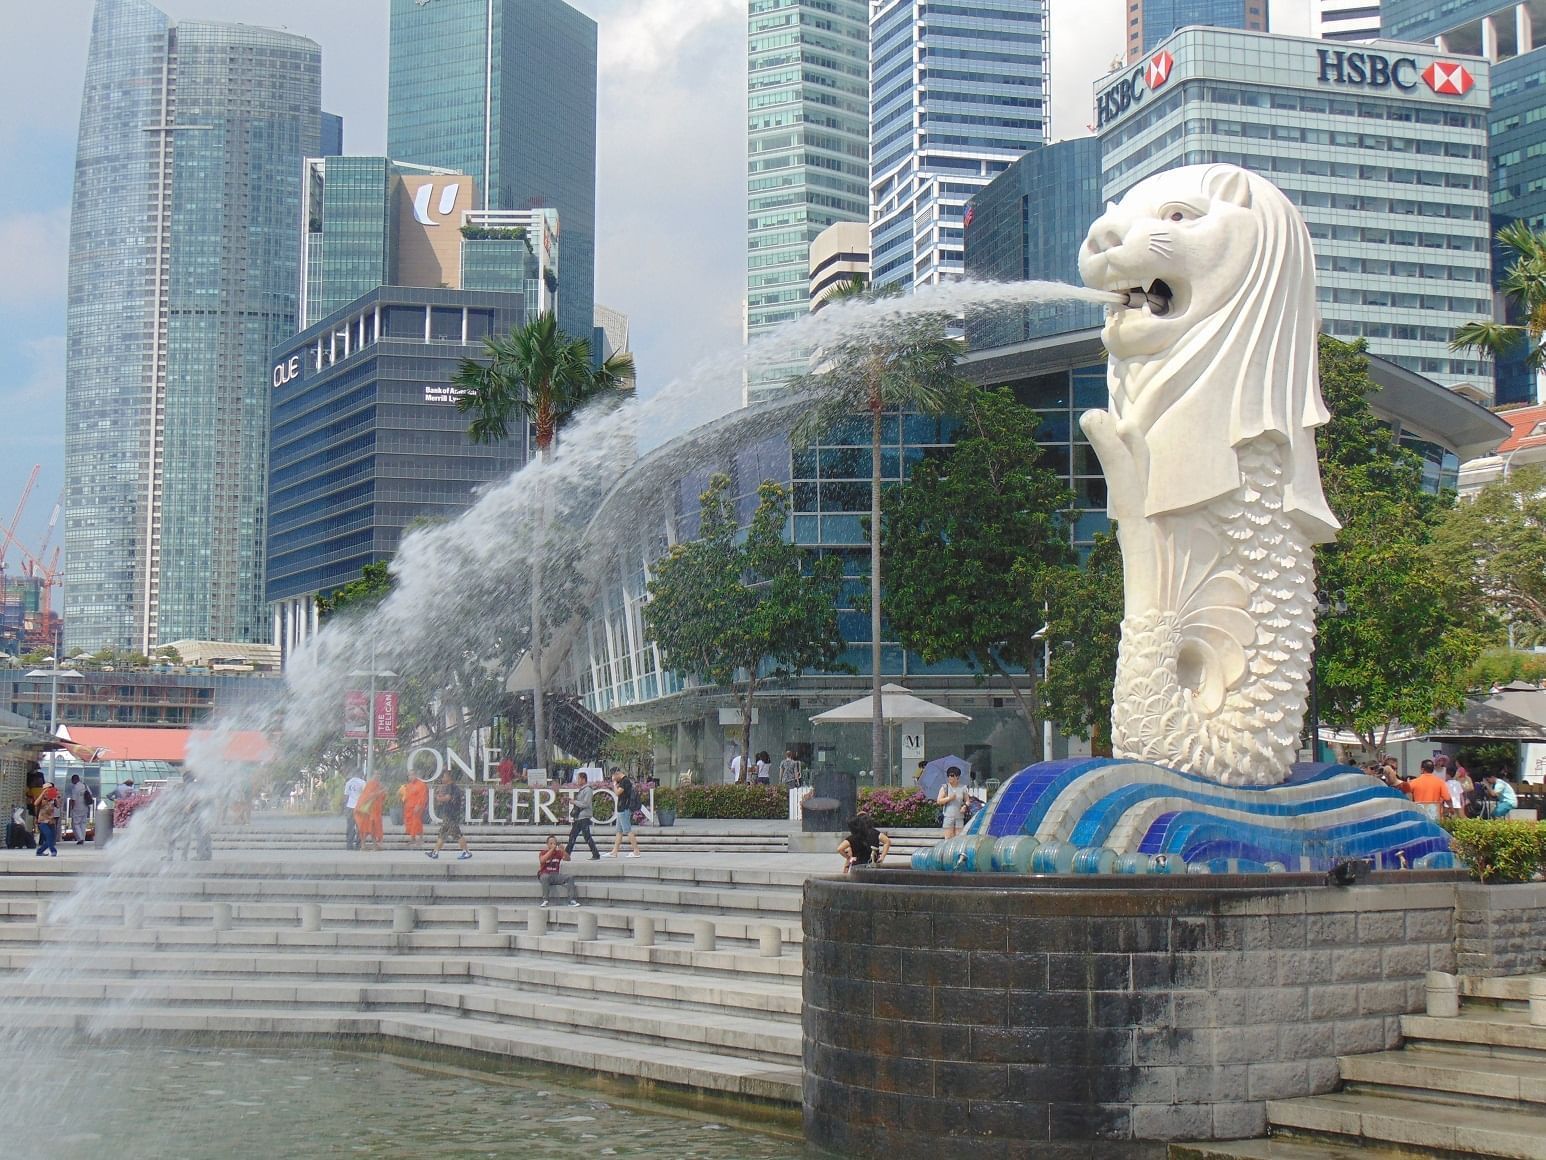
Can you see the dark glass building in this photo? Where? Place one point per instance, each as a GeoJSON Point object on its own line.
{"type": "Point", "coordinates": [1151, 21]}
{"type": "Point", "coordinates": [1029, 222]}
{"type": "Point", "coordinates": [367, 438]}
{"type": "Point", "coordinates": [1517, 121]}
{"type": "Point", "coordinates": [505, 91]}
{"type": "Point", "coordinates": [182, 278]}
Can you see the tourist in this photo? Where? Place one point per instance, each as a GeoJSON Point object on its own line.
{"type": "Point", "coordinates": [1501, 796]}
{"type": "Point", "coordinates": [48, 822]}
{"type": "Point", "coordinates": [737, 769]}
{"type": "Point", "coordinates": [627, 802]}
{"type": "Point", "coordinates": [352, 789]}
{"type": "Point", "coordinates": [764, 768]}
{"type": "Point", "coordinates": [1427, 790]}
{"type": "Point", "coordinates": [581, 816]}
{"type": "Point", "coordinates": [1455, 806]}
{"type": "Point", "coordinates": [414, 795]}
{"type": "Point", "coordinates": [449, 801]}
{"type": "Point", "coordinates": [506, 772]}
{"type": "Point", "coordinates": [790, 771]}
{"type": "Point", "coordinates": [550, 871]}
{"type": "Point", "coordinates": [367, 812]}
{"type": "Point", "coordinates": [865, 844]}
{"type": "Point", "coordinates": [80, 808]}
{"type": "Point", "coordinates": [122, 791]}
{"type": "Point", "coordinates": [952, 795]}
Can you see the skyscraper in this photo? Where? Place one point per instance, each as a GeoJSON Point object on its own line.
{"type": "Point", "coordinates": [1151, 21]}
{"type": "Point", "coordinates": [183, 270]}
{"type": "Point", "coordinates": [807, 144]}
{"type": "Point", "coordinates": [505, 91]}
{"type": "Point", "coordinates": [1347, 19]}
{"type": "Point", "coordinates": [958, 93]}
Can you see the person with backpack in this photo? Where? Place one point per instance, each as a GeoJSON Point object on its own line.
{"type": "Point", "coordinates": [450, 799]}
{"type": "Point", "coordinates": [789, 770]}
{"type": "Point", "coordinates": [627, 802]}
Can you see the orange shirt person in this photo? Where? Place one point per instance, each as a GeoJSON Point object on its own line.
{"type": "Point", "coordinates": [1427, 789]}
{"type": "Point", "coordinates": [367, 811]}
{"type": "Point", "coordinates": [415, 798]}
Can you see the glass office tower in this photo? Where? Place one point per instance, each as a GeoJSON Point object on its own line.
{"type": "Point", "coordinates": [1508, 36]}
{"type": "Point", "coordinates": [183, 268]}
{"type": "Point", "coordinates": [1151, 21]}
{"type": "Point", "coordinates": [1392, 180]}
{"type": "Point", "coordinates": [958, 93]}
{"type": "Point", "coordinates": [807, 144]}
{"type": "Point", "coordinates": [505, 91]}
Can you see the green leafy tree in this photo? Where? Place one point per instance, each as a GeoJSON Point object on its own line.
{"type": "Point", "coordinates": [633, 748]}
{"type": "Point", "coordinates": [739, 612]}
{"type": "Point", "coordinates": [1524, 285]}
{"type": "Point", "coordinates": [1084, 626]}
{"type": "Point", "coordinates": [538, 376]}
{"type": "Point", "coordinates": [360, 595]}
{"type": "Point", "coordinates": [899, 362]}
{"type": "Point", "coordinates": [972, 538]}
{"type": "Point", "coordinates": [1410, 629]}
{"type": "Point", "coordinates": [1498, 537]}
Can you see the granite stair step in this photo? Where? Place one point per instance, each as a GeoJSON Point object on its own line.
{"type": "Point", "coordinates": [1483, 1030]}
{"type": "Point", "coordinates": [1440, 1128]}
{"type": "Point", "coordinates": [1455, 1076]}
{"type": "Point", "coordinates": [1285, 1148]}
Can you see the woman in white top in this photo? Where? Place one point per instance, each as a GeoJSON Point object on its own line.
{"type": "Point", "coordinates": [952, 795]}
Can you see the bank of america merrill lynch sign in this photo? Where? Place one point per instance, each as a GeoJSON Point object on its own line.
{"type": "Point", "coordinates": [1352, 67]}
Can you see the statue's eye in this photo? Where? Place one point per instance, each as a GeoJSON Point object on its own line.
{"type": "Point", "coordinates": [1178, 212]}
{"type": "Point", "coordinates": [1177, 216]}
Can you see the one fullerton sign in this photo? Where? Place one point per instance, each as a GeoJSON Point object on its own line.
{"type": "Point", "coordinates": [539, 805]}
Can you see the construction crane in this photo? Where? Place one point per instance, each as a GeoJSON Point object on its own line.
{"type": "Point", "coordinates": [21, 506]}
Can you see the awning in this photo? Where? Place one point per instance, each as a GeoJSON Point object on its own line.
{"type": "Point", "coordinates": [110, 743]}
{"type": "Point", "coordinates": [896, 704]}
{"type": "Point", "coordinates": [1483, 720]}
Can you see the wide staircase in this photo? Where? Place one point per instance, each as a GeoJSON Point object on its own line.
{"type": "Point", "coordinates": [1472, 1084]}
{"type": "Point", "coordinates": [676, 969]}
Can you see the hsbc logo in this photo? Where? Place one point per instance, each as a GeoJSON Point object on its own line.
{"type": "Point", "coordinates": [1129, 92]}
{"type": "Point", "coordinates": [1449, 78]}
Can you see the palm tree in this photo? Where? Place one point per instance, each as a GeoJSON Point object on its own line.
{"type": "Point", "coordinates": [904, 363]}
{"type": "Point", "coordinates": [1524, 283]}
{"type": "Point", "coordinates": [536, 377]}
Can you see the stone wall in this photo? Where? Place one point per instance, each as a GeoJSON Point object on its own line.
{"type": "Point", "coordinates": [1500, 930]}
{"type": "Point", "coordinates": [1001, 1017]}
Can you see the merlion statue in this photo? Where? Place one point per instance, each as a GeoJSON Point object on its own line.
{"type": "Point", "coordinates": [1209, 454]}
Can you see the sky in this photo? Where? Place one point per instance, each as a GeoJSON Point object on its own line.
{"type": "Point", "coordinates": [671, 189]}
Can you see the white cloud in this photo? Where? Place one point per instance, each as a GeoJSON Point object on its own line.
{"type": "Point", "coordinates": [648, 35]}
{"type": "Point", "coordinates": [34, 247]}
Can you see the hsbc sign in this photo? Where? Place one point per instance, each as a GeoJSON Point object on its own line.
{"type": "Point", "coordinates": [1130, 91]}
{"type": "Point", "coordinates": [1373, 70]}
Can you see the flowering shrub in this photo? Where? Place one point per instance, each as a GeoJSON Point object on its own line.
{"type": "Point", "coordinates": [898, 807]}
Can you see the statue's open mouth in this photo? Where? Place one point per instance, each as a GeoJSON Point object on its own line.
{"type": "Point", "coordinates": [1156, 299]}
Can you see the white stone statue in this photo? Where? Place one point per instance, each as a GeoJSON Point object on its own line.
{"type": "Point", "coordinates": [1209, 455]}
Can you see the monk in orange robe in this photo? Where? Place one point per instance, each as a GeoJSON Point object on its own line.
{"type": "Point", "coordinates": [367, 811]}
{"type": "Point", "coordinates": [415, 798]}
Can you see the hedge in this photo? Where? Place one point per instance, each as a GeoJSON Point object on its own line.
{"type": "Point", "coordinates": [725, 801]}
{"type": "Point", "coordinates": [898, 807]}
{"type": "Point", "coordinates": [1498, 851]}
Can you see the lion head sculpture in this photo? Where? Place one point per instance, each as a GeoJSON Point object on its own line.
{"type": "Point", "coordinates": [1218, 343]}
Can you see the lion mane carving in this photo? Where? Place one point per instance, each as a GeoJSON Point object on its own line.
{"type": "Point", "coordinates": [1209, 454]}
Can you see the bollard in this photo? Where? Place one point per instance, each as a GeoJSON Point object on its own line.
{"type": "Point", "coordinates": [404, 919]}
{"type": "Point", "coordinates": [644, 931]}
{"type": "Point", "coordinates": [1538, 1002]}
{"type": "Point", "coordinates": [536, 921]}
{"type": "Point", "coordinates": [220, 913]}
{"type": "Point", "coordinates": [770, 941]}
{"type": "Point", "coordinates": [311, 916]}
{"type": "Point", "coordinates": [703, 935]}
{"type": "Point", "coordinates": [133, 915]}
{"type": "Point", "coordinates": [104, 827]}
{"type": "Point", "coordinates": [1443, 991]}
{"type": "Point", "coordinates": [587, 932]}
{"type": "Point", "coordinates": [488, 920]}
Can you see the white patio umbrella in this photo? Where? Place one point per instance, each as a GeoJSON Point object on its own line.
{"type": "Point", "coordinates": [896, 706]}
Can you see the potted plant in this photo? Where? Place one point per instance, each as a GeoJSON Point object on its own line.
{"type": "Point", "coordinates": [665, 807]}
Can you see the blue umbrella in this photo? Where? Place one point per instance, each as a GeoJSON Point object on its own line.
{"type": "Point", "coordinates": [934, 774]}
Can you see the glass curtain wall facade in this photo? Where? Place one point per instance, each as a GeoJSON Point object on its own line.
{"type": "Point", "coordinates": [1151, 21]}
{"type": "Point", "coordinates": [807, 146]}
{"type": "Point", "coordinates": [1392, 181]}
{"type": "Point", "coordinates": [1508, 36]}
{"type": "Point", "coordinates": [184, 260]}
{"type": "Point", "coordinates": [1029, 222]}
{"type": "Point", "coordinates": [958, 93]}
{"type": "Point", "coordinates": [505, 90]}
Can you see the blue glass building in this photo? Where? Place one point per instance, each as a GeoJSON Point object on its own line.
{"type": "Point", "coordinates": [957, 93]}
{"type": "Point", "coordinates": [505, 91]}
{"type": "Point", "coordinates": [1151, 21]}
{"type": "Point", "coordinates": [1507, 35]}
{"type": "Point", "coordinates": [184, 255]}
{"type": "Point", "coordinates": [1029, 222]}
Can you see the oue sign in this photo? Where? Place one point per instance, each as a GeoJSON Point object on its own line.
{"type": "Point", "coordinates": [287, 371]}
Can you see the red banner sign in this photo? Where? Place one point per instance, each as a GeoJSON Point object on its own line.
{"type": "Point", "coordinates": [357, 715]}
